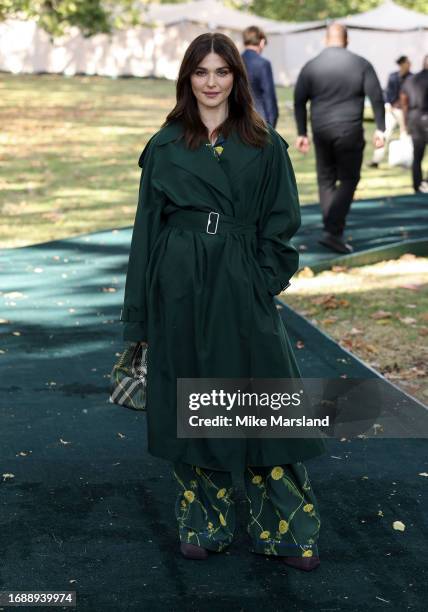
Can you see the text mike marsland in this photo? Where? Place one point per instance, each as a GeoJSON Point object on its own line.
{"type": "Point", "coordinates": [253, 421]}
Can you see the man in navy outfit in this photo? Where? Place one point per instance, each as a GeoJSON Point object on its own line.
{"type": "Point", "coordinates": [260, 75]}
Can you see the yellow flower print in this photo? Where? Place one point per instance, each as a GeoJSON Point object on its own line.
{"type": "Point", "coordinates": [256, 479]}
{"type": "Point", "coordinates": [193, 484]}
{"type": "Point", "coordinates": [308, 508]}
{"type": "Point", "coordinates": [277, 473]}
{"type": "Point", "coordinates": [210, 526]}
{"type": "Point", "coordinates": [221, 493]}
{"type": "Point", "coordinates": [189, 495]}
{"type": "Point", "coordinates": [183, 503]}
{"type": "Point", "coordinates": [264, 535]}
{"type": "Point", "coordinates": [307, 553]}
{"type": "Point", "coordinates": [283, 526]}
{"type": "Point", "coordinates": [222, 519]}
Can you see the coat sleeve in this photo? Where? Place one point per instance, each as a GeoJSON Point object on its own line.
{"type": "Point", "coordinates": [280, 220]}
{"type": "Point", "coordinates": [147, 226]}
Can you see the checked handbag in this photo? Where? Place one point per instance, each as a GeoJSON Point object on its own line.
{"type": "Point", "coordinates": [128, 379]}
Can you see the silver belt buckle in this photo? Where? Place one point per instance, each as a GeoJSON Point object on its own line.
{"type": "Point", "coordinates": [209, 221]}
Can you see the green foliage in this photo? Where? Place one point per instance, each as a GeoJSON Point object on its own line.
{"type": "Point", "coordinates": [90, 16]}
{"type": "Point", "coordinates": [95, 16]}
{"type": "Point", "coordinates": [307, 10]}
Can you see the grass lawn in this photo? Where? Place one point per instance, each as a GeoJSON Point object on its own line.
{"type": "Point", "coordinates": [378, 312]}
{"type": "Point", "coordinates": [69, 149]}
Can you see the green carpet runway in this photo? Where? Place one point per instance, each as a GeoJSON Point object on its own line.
{"type": "Point", "coordinates": [89, 510]}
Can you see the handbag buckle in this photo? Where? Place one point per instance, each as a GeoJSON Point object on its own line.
{"type": "Point", "coordinates": [210, 221]}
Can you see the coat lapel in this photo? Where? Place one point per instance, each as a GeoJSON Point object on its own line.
{"type": "Point", "coordinates": [202, 162]}
{"type": "Point", "coordinates": [238, 154]}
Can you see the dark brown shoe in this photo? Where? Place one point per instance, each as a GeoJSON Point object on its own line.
{"type": "Point", "coordinates": [303, 563]}
{"type": "Point", "coordinates": [191, 551]}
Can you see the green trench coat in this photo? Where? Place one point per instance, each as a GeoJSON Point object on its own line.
{"type": "Point", "coordinates": [204, 302]}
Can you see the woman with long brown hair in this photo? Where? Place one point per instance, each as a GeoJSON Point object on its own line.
{"type": "Point", "coordinates": [210, 249]}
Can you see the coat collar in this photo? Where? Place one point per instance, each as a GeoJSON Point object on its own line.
{"type": "Point", "coordinates": [202, 163]}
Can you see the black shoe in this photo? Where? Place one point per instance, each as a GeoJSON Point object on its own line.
{"type": "Point", "coordinates": [372, 164]}
{"type": "Point", "coordinates": [191, 551]}
{"type": "Point", "coordinates": [303, 563]}
{"type": "Point", "coordinates": [335, 243]}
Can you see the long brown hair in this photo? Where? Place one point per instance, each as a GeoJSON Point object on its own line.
{"type": "Point", "coordinates": [242, 115]}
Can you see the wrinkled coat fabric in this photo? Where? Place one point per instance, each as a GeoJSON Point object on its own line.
{"type": "Point", "coordinates": [204, 302]}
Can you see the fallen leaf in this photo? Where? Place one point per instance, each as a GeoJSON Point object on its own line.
{"type": "Point", "coordinates": [355, 331]}
{"type": "Point", "coordinates": [306, 272]}
{"type": "Point", "coordinates": [300, 344]}
{"type": "Point", "coordinates": [8, 476]}
{"type": "Point", "coordinates": [381, 314]}
{"type": "Point", "coordinates": [370, 348]}
{"type": "Point", "coordinates": [329, 321]}
{"type": "Point", "coordinates": [398, 526]}
{"type": "Point", "coordinates": [407, 320]}
{"type": "Point", "coordinates": [410, 286]}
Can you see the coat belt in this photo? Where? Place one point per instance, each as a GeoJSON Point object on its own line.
{"type": "Point", "coordinates": [209, 222]}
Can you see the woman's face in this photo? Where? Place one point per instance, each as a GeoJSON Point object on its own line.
{"type": "Point", "coordinates": [212, 81]}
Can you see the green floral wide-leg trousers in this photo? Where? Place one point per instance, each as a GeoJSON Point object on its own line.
{"type": "Point", "coordinates": [283, 514]}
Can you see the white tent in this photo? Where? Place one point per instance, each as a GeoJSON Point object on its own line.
{"type": "Point", "coordinates": [209, 15]}
{"type": "Point", "coordinates": [388, 17]}
{"type": "Point", "coordinates": [156, 48]}
{"type": "Point", "coordinates": [386, 32]}
{"type": "Point", "coordinates": [380, 35]}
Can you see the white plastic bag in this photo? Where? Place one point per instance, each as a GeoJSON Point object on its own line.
{"type": "Point", "coordinates": [401, 151]}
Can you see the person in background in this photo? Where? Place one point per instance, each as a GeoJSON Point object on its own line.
{"type": "Point", "coordinates": [414, 101]}
{"type": "Point", "coordinates": [260, 76]}
{"type": "Point", "coordinates": [336, 82]}
{"type": "Point", "coordinates": [393, 110]}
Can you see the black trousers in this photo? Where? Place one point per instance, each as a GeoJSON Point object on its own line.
{"type": "Point", "coordinates": [339, 155]}
{"type": "Point", "coordinates": [419, 132]}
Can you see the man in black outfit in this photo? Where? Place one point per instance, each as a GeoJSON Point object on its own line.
{"type": "Point", "coordinates": [336, 82]}
{"type": "Point", "coordinates": [414, 101]}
